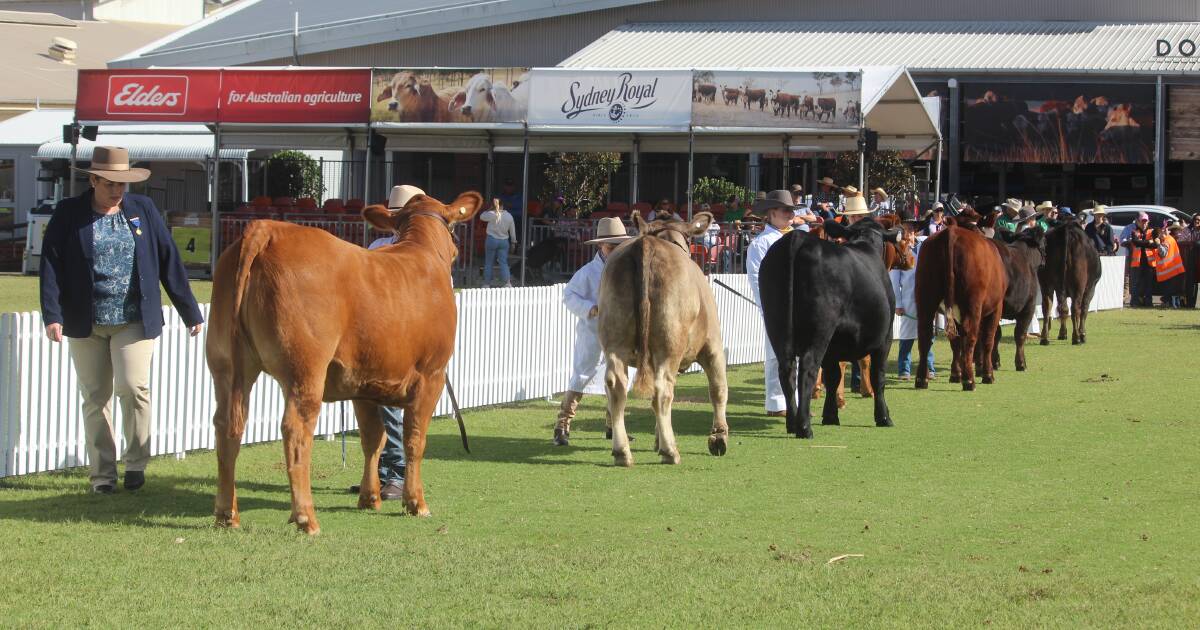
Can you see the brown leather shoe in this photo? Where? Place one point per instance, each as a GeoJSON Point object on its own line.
{"type": "Point", "coordinates": [782, 413]}
{"type": "Point", "coordinates": [393, 491]}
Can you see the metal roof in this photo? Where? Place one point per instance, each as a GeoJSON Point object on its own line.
{"type": "Point", "coordinates": [958, 47]}
{"type": "Point", "coordinates": [191, 143]}
{"type": "Point", "coordinates": [32, 128]}
{"type": "Point", "coordinates": [258, 30]}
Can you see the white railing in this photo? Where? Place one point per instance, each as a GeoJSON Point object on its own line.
{"type": "Point", "coordinates": [512, 345]}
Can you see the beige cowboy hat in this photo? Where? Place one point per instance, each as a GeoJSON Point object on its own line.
{"type": "Point", "coordinates": [112, 163]}
{"type": "Point", "coordinates": [400, 196]}
{"type": "Point", "coordinates": [1012, 204]}
{"type": "Point", "coordinates": [851, 191]}
{"type": "Point", "coordinates": [855, 206]}
{"type": "Point", "coordinates": [1045, 206]}
{"type": "Point", "coordinates": [609, 230]}
{"type": "Point", "coordinates": [1100, 210]}
{"type": "Point", "coordinates": [828, 181]}
{"type": "Point", "coordinates": [774, 199]}
{"type": "Point", "coordinates": [879, 191]}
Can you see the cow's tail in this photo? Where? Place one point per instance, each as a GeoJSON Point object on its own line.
{"type": "Point", "coordinates": [951, 304]}
{"type": "Point", "coordinates": [644, 381]}
{"type": "Point", "coordinates": [254, 241]}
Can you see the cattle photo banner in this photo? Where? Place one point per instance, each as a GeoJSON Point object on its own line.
{"type": "Point", "coordinates": [449, 95]}
{"type": "Point", "coordinates": [610, 98]}
{"type": "Point", "coordinates": [748, 98]}
{"type": "Point", "coordinates": [1059, 123]}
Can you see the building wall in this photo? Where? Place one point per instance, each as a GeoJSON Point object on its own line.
{"type": "Point", "coordinates": [547, 42]}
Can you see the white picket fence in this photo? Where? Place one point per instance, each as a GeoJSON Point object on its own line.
{"type": "Point", "coordinates": [512, 345]}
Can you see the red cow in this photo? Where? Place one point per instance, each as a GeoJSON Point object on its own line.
{"type": "Point", "coordinates": [960, 272]}
{"type": "Point", "coordinates": [756, 96]}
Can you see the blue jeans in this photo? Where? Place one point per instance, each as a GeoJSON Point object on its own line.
{"type": "Point", "coordinates": [391, 460]}
{"type": "Point", "coordinates": [495, 251]}
{"type": "Point", "coordinates": [904, 359]}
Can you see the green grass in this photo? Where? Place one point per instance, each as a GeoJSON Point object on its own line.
{"type": "Point", "coordinates": [1065, 496]}
{"type": "Point", "coordinates": [19, 293]}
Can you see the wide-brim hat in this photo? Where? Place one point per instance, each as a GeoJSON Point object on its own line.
{"type": "Point", "coordinates": [827, 181]}
{"type": "Point", "coordinates": [797, 188]}
{"type": "Point", "coordinates": [400, 196]}
{"type": "Point", "coordinates": [1027, 212]}
{"type": "Point", "coordinates": [774, 199]}
{"type": "Point", "coordinates": [1099, 210]}
{"type": "Point", "coordinates": [879, 191]}
{"type": "Point", "coordinates": [609, 230]}
{"type": "Point", "coordinates": [855, 206]}
{"type": "Point", "coordinates": [112, 163]}
{"type": "Point", "coordinates": [850, 191]}
{"type": "Point", "coordinates": [1011, 204]}
{"type": "Point", "coordinates": [1044, 207]}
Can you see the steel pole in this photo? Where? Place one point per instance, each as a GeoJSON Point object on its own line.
{"type": "Point", "coordinates": [937, 191]}
{"type": "Point", "coordinates": [1160, 143]}
{"type": "Point", "coordinates": [215, 239]}
{"type": "Point", "coordinates": [366, 239]}
{"type": "Point", "coordinates": [691, 167]}
{"type": "Point", "coordinates": [787, 163]}
{"type": "Point", "coordinates": [525, 202]}
{"type": "Point", "coordinates": [74, 153]}
{"type": "Point", "coordinates": [635, 161]}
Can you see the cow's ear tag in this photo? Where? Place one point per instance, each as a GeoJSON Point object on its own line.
{"type": "Point", "coordinates": [899, 236]}
{"type": "Point", "coordinates": [462, 210]}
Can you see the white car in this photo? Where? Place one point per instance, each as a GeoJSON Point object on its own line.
{"type": "Point", "coordinates": [1122, 216]}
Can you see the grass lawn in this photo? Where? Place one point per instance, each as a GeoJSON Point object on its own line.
{"type": "Point", "coordinates": [1065, 496]}
{"type": "Point", "coordinates": [19, 293]}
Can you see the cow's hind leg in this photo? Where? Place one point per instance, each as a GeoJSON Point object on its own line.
{"type": "Point", "coordinates": [956, 355]}
{"type": "Point", "coordinates": [832, 371]}
{"type": "Point", "coordinates": [864, 384]}
{"type": "Point", "coordinates": [989, 330]}
{"type": "Point", "coordinates": [616, 382]}
{"type": "Point", "coordinates": [417, 415]}
{"type": "Point", "coordinates": [801, 392]}
{"type": "Point", "coordinates": [1047, 318]}
{"type": "Point", "coordinates": [968, 337]}
{"type": "Point", "coordinates": [371, 434]}
{"type": "Point", "coordinates": [1020, 331]}
{"type": "Point", "coordinates": [883, 417]}
{"type": "Point", "coordinates": [299, 419]}
{"type": "Point", "coordinates": [1064, 313]}
{"type": "Point", "coordinates": [664, 436]}
{"type": "Point", "coordinates": [1076, 322]}
{"type": "Point", "coordinates": [713, 362]}
{"type": "Point", "coordinates": [1085, 304]}
{"type": "Point", "coordinates": [229, 441]}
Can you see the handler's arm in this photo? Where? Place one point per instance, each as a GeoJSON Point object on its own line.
{"type": "Point", "coordinates": [574, 296]}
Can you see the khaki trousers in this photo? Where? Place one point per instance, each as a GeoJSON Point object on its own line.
{"type": "Point", "coordinates": [114, 354]}
{"type": "Point", "coordinates": [566, 411]}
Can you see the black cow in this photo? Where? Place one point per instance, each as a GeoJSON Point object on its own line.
{"type": "Point", "coordinates": [1022, 259]}
{"type": "Point", "coordinates": [1071, 272]}
{"type": "Point", "coordinates": [825, 303]}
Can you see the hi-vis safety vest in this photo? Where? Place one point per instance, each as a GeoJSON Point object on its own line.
{"type": "Point", "coordinates": [1171, 265]}
{"type": "Point", "coordinates": [1151, 255]}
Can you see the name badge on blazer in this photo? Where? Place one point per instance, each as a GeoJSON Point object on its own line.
{"type": "Point", "coordinates": [136, 222]}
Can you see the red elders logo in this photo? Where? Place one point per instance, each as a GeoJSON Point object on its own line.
{"type": "Point", "coordinates": [147, 95]}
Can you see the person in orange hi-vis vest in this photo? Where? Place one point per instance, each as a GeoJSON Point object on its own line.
{"type": "Point", "coordinates": [1169, 271]}
{"type": "Point", "coordinates": [1142, 244]}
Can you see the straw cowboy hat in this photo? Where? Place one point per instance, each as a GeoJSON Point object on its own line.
{"type": "Point", "coordinates": [797, 188]}
{"type": "Point", "coordinates": [112, 163]}
{"type": "Point", "coordinates": [609, 230]}
{"type": "Point", "coordinates": [1045, 206]}
{"type": "Point", "coordinates": [401, 194]}
{"type": "Point", "coordinates": [773, 199]}
{"type": "Point", "coordinates": [855, 206]}
{"type": "Point", "coordinates": [1100, 210]}
{"type": "Point", "coordinates": [1011, 204]}
{"type": "Point", "coordinates": [1027, 212]}
{"type": "Point", "coordinates": [851, 191]}
{"type": "Point", "coordinates": [827, 181]}
{"type": "Point", "coordinates": [879, 191]}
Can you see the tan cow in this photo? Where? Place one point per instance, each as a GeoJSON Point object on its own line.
{"type": "Point", "coordinates": [657, 313]}
{"type": "Point", "coordinates": [332, 321]}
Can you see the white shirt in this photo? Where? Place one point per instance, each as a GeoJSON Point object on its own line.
{"type": "Point", "coordinates": [756, 253]}
{"type": "Point", "coordinates": [579, 296]}
{"type": "Point", "coordinates": [383, 241]}
{"type": "Point", "coordinates": [500, 225]}
{"type": "Point", "coordinates": [904, 285]}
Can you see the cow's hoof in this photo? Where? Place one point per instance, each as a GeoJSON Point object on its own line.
{"type": "Point", "coordinates": [624, 460]}
{"type": "Point", "coordinates": [228, 519]}
{"type": "Point", "coordinates": [804, 434]}
{"type": "Point", "coordinates": [1062, 336]}
{"type": "Point", "coordinates": [417, 508]}
{"type": "Point", "coordinates": [369, 501]}
{"type": "Point", "coordinates": [305, 524]}
{"type": "Point", "coordinates": [968, 386]}
{"type": "Point", "coordinates": [920, 384]}
{"type": "Point", "coordinates": [954, 378]}
{"type": "Point", "coordinates": [867, 394]}
{"type": "Point", "coordinates": [1044, 341]}
{"type": "Point", "coordinates": [669, 458]}
{"type": "Point", "coordinates": [988, 379]}
{"type": "Point", "coordinates": [831, 422]}
{"type": "Point", "coordinates": [1075, 342]}
{"type": "Point", "coordinates": [717, 444]}
{"type": "Point", "coordinates": [886, 422]}
{"type": "Point", "coordinates": [816, 395]}
{"type": "Point", "coordinates": [841, 403]}
{"type": "Point", "coordinates": [1021, 368]}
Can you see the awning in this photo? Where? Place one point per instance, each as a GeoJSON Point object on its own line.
{"type": "Point", "coordinates": [145, 148]}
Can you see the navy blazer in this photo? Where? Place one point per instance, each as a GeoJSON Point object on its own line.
{"type": "Point", "coordinates": [67, 270]}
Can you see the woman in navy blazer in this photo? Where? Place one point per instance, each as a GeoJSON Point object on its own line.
{"type": "Point", "coordinates": [104, 255]}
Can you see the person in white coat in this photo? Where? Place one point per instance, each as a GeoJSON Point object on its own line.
{"type": "Point", "coordinates": [779, 213]}
{"type": "Point", "coordinates": [904, 285]}
{"type": "Point", "coordinates": [581, 297]}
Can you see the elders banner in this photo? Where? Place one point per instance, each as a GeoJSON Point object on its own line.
{"type": "Point", "coordinates": [148, 95]}
{"type": "Point", "coordinates": [295, 96]}
{"type": "Point", "coordinates": [610, 98]}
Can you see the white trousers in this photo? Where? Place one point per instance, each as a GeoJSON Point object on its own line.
{"type": "Point", "coordinates": [775, 399]}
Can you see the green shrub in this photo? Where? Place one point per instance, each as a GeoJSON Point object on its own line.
{"type": "Point", "coordinates": [718, 190]}
{"type": "Point", "coordinates": [294, 174]}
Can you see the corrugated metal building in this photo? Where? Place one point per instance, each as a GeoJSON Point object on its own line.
{"type": "Point", "coordinates": [1106, 87]}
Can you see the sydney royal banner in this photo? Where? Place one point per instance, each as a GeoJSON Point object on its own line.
{"type": "Point", "coordinates": [148, 95]}
{"type": "Point", "coordinates": [610, 98]}
{"type": "Point", "coordinates": [295, 96]}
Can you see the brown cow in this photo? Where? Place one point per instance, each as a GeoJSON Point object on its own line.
{"type": "Point", "coordinates": [704, 93]}
{"type": "Point", "coordinates": [826, 107]}
{"type": "Point", "coordinates": [731, 95]}
{"type": "Point", "coordinates": [755, 96]}
{"type": "Point", "coordinates": [657, 313]}
{"type": "Point", "coordinates": [807, 107]}
{"type": "Point", "coordinates": [960, 272]}
{"type": "Point", "coordinates": [311, 310]}
{"type": "Point", "coordinates": [785, 104]}
{"type": "Point", "coordinates": [1071, 273]}
{"type": "Point", "coordinates": [416, 101]}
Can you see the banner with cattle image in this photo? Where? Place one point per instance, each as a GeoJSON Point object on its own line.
{"type": "Point", "coordinates": [610, 98]}
{"type": "Point", "coordinates": [745, 98]}
{"type": "Point", "coordinates": [449, 95]}
{"type": "Point", "coordinates": [1059, 123]}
